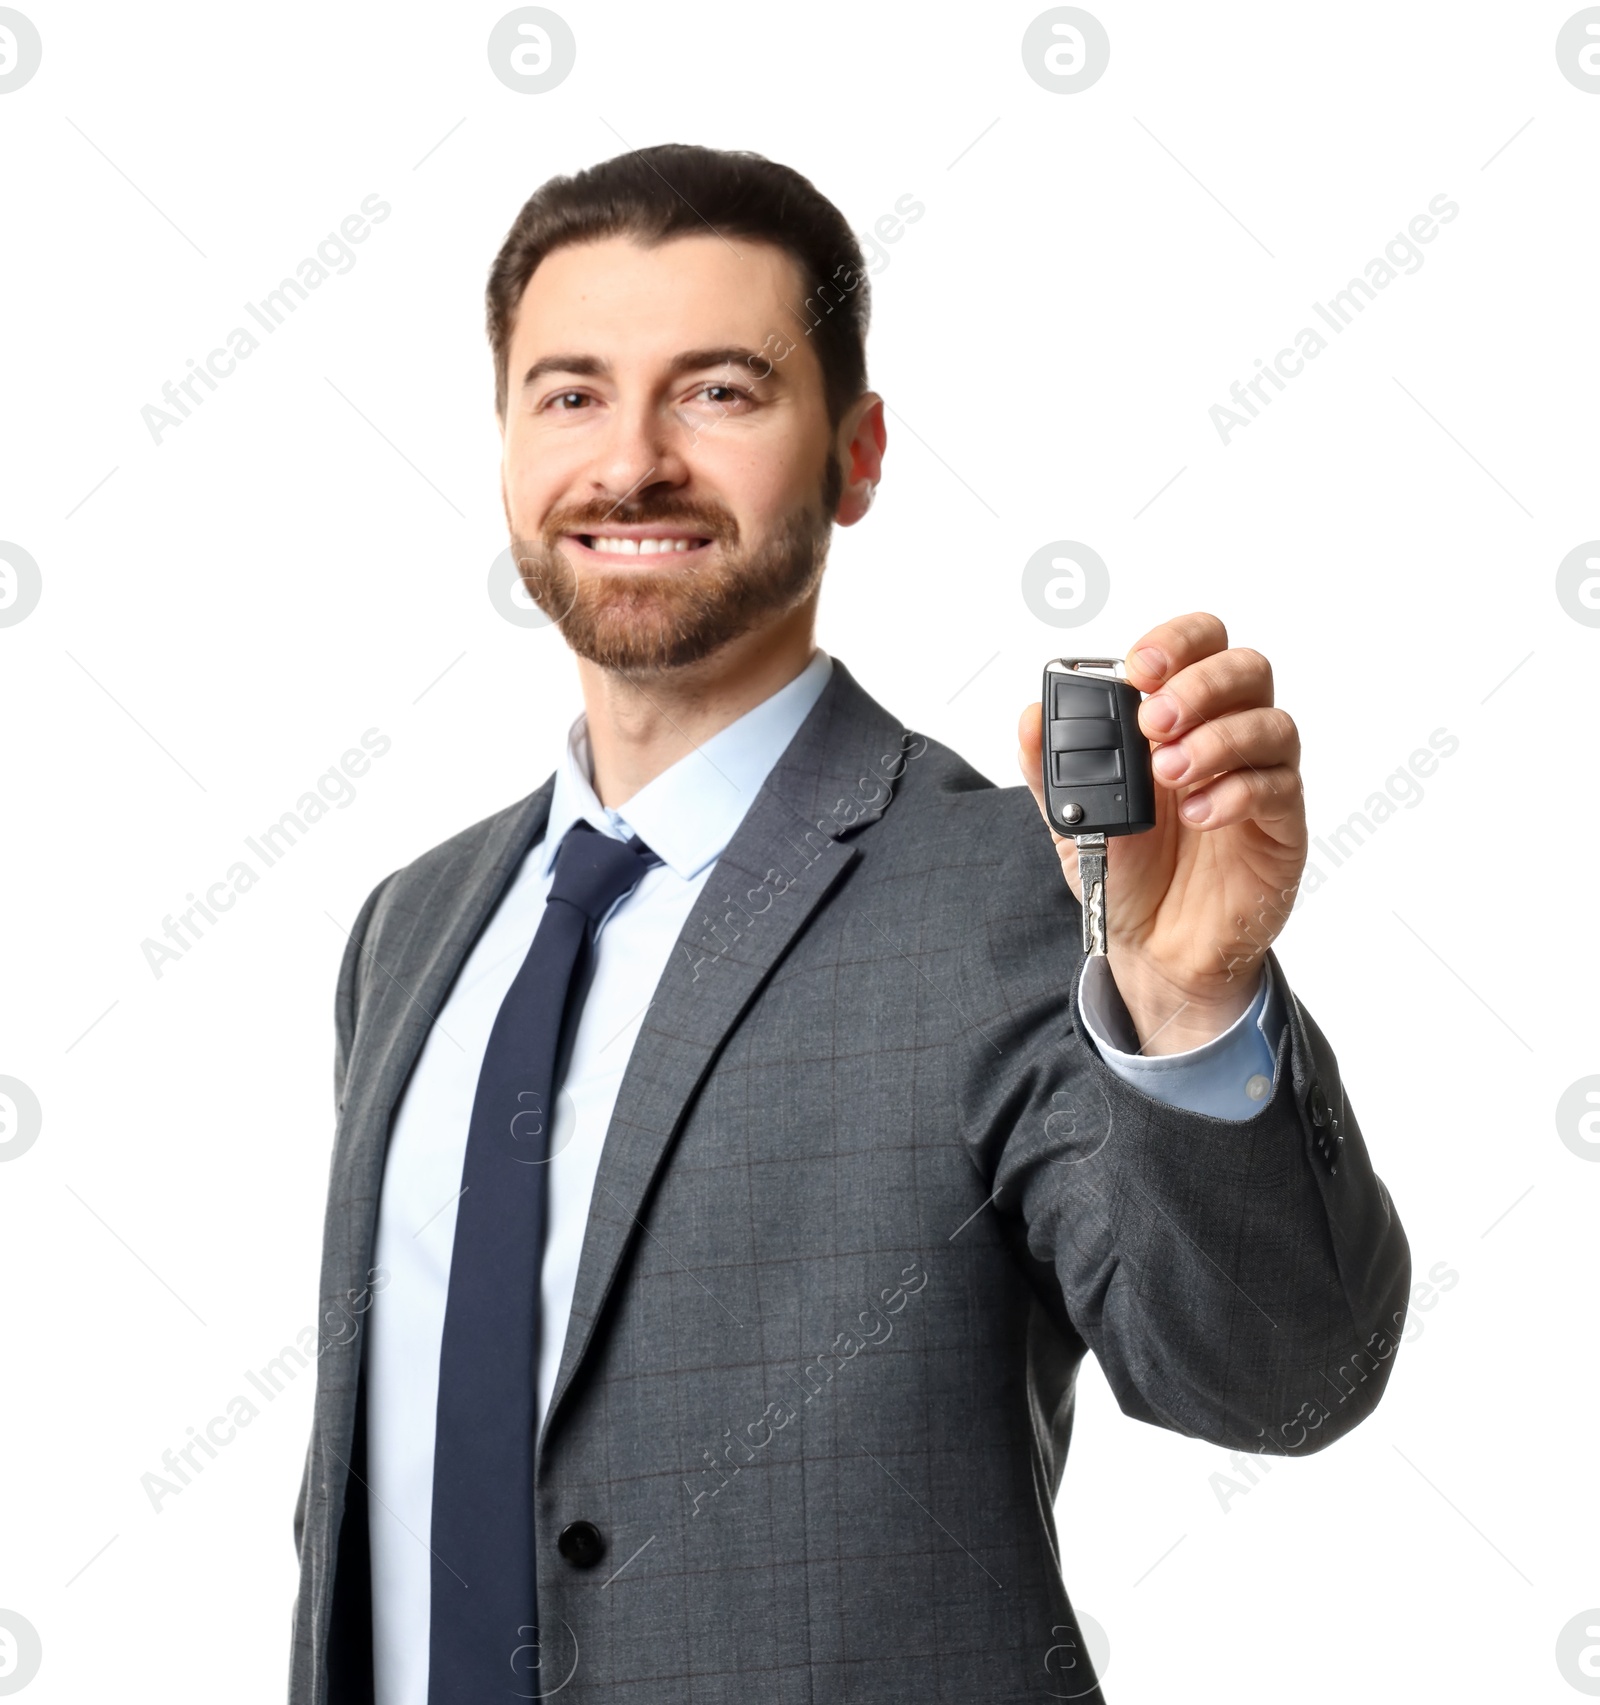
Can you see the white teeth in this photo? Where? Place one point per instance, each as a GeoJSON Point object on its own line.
{"type": "Point", "coordinates": [619, 546]}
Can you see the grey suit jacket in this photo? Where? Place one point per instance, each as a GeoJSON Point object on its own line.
{"type": "Point", "coordinates": [867, 1195]}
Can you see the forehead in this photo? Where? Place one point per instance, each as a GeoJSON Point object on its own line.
{"type": "Point", "coordinates": [616, 298]}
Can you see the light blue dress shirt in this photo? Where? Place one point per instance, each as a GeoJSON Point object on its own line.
{"type": "Point", "coordinates": [687, 815]}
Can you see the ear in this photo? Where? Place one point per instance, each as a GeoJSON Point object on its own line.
{"type": "Point", "coordinates": [861, 440]}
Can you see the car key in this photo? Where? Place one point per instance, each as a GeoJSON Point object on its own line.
{"type": "Point", "coordinates": [1097, 776]}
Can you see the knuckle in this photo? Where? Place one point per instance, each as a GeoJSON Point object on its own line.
{"type": "Point", "coordinates": [1197, 625]}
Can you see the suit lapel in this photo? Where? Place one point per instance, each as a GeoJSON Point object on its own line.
{"type": "Point", "coordinates": [789, 852]}
{"type": "Point", "coordinates": [409, 986]}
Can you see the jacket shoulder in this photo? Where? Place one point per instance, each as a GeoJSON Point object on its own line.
{"type": "Point", "coordinates": [946, 796]}
{"type": "Point", "coordinates": [467, 844]}
{"type": "Point", "coordinates": [414, 886]}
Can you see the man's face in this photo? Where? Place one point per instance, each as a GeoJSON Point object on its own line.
{"type": "Point", "coordinates": [663, 492]}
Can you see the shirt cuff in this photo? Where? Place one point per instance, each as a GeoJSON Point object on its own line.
{"type": "Point", "coordinates": [1230, 1077]}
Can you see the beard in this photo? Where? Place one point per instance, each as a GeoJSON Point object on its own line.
{"type": "Point", "coordinates": [671, 615]}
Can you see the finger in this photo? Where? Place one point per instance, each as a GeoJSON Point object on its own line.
{"type": "Point", "coordinates": [1172, 646]}
{"type": "Point", "coordinates": [1236, 679]}
{"type": "Point", "coordinates": [1030, 750]}
{"type": "Point", "coordinates": [1272, 798]}
{"type": "Point", "coordinates": [1030, 743]}
{"type": "Point", "coordinates": [1259, 739]}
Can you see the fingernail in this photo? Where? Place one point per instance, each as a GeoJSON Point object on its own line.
{"type": "Point", "coordinates": [1171, 761]}
{"type": "Point", "coordinates": [1159, 714]}
{"type": "Point", "coordinates": [1196, 808]}
{"type": "Point", "coordinates": [1151, 661]}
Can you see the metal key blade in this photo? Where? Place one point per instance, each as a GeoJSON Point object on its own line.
{"type": "Point", "coordinates": [1092, 879]}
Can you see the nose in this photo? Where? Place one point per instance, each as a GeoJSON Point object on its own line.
{"type": "Point", "coordinates": [641, 447]}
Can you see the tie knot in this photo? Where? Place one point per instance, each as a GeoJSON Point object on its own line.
{"type": "Point", "coordinates": [594, 870]}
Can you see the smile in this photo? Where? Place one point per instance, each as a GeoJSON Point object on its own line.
{"type": "Point", "coordinates": [610, 547]}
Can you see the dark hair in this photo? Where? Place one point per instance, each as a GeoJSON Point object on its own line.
{"type": "Point", "coordinates": [678, 189]}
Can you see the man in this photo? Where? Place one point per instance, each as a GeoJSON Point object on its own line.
{"type": "Point", "coordinates": [736, 1153]}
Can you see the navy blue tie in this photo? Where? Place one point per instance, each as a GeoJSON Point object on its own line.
{"type": "Point", "coordinates": [483, 1644]}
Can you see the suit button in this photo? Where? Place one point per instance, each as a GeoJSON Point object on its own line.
{"type": "Point", "coordinates": [581, 1544]}
{"type": "Point", "coordinates": [1324, 1127]}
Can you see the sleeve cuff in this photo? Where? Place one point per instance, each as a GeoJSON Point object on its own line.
{"type": "Point", "coordinates": [1229, 1077]}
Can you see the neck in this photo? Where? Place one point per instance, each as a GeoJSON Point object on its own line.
{"type": "Point", "coordinates": [642, 723]}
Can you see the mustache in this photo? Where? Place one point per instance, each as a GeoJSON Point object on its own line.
{"type": "Point", "coordinates": [708, 523]}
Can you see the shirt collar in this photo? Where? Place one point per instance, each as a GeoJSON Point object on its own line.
{"type": "Point", "coordinates": [689, 812]}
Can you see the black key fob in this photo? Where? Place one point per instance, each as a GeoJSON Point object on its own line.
{"type": "Point", "coordinates": [1097, 775]}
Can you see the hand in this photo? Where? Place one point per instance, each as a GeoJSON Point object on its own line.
{"type": "Point", "coordinates": [1193, 904]}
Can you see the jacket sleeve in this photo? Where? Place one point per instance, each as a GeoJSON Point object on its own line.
{"type": "Point", "coordinates": [1239, 1281]}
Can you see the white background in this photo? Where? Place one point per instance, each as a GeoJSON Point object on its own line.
{"type": "Point", "coordinates": [225, 613]}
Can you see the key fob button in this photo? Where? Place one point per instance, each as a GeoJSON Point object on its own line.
{"type": "Point", "coordinates": [1075, 697]}
{"type": "Point", "coordinates": [1086, 768]}
{"type": "Point", "coordinates": [1084, 734]}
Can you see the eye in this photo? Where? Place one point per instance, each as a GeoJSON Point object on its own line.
{"type": "Point", "coordinates": [732, 390]}
{"type": "Point", "coordinates": [561, 397]}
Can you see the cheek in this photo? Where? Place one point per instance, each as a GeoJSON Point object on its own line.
{"type": "Point", "coordinates": [532, 485]}
{"type": "Point", "coordinates": [760, 491]}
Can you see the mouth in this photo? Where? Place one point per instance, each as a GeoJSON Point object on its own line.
{"type": "Point", "coordinates": [640, 548]}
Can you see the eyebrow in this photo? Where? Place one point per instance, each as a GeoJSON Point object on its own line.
{"type": "Point", "coordinates": [688, 361]}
